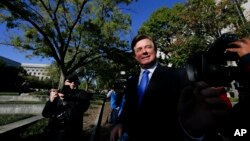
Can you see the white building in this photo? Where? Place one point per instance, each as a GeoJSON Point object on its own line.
{"type": "Point", "coordinates": [246, 7]}
{"type": "Point", "coordinates": [246, 14]}
{"type": "Point", "coordinates": [38, 70]}
{"type": "Point", "coordinates": [247, 10]}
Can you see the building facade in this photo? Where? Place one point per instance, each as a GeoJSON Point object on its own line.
{"type": "Point", "coordinates": [246, 11]}
{"type": "Point", "coordinates": [245, 6]}
{"type": "Point", "coordinates": [37, 70]}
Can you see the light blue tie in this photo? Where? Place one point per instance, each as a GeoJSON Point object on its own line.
{"type": "Point", "coordinates": [143, 85]}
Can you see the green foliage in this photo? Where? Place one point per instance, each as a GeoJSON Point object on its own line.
{"type": "Point", "coordinates": [10, 118]}
{"type": "Point", "coordinates": [9, 93]}
{"type": "Point", "coordinates": [54, 73]}
{"type": "Point", "coordinates": [244, 31]}
{"type": "Point", "coordinates": [36, 83]}
{"type": "Point", "coordinates": [191, 27]}
{"type": "Point", "coordinates": [74, 33]}
{"type": "Point", "coordinates": [190, 46]}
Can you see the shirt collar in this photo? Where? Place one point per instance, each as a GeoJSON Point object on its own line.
{"type": "Point", "coordinates": [151, 69]}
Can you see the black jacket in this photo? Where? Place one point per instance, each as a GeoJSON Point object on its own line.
{"type": "Point", "coordinates": [67, 115]}
{"type": "Point", "coordinates": [238, 119]}
{"type": "Point", "coordinates": [157, 118]}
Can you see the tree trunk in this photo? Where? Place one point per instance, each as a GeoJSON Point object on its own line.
{"type": "Point", "coordinates": [61, 81]}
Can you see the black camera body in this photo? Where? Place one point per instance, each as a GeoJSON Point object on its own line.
{"type": "Point", "coordinates": [63, 117]}
{"type": "Point", "coordinates": [215, 66]}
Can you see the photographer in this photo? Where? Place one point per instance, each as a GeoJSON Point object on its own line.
{"type": "Point", "coordinates": [239, 128]}
{"type": "Point", "coordinates": [243, 50]}
{"type": "Point", "coordinates": [207, 114]}
{"type": "Point", "coordinates": [65, 111]}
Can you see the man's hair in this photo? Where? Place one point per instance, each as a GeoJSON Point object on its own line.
{"type": "Point", "coordinates": [141, 37]}
{"type": "Point", "coordinates": [73, 78]}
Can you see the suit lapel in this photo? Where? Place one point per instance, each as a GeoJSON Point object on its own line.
{"type": "Point", "coordinates": [154, 78]}
{"type": "Point", "coordinates": [150, 92]}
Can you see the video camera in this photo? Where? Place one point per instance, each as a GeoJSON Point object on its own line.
{"type": "Point", "coordinates": [215, 66]}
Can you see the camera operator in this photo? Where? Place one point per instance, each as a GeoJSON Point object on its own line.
{"type": "Point", "coordinates": [243, 50]}
{"type": "Point", "coordinates": [239, 126]}
{"type": "Point", "coordinates": [207, 114]}
{"type": "Point", "coordinates": [65, 111]}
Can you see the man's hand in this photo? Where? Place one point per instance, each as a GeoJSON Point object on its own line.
{"type": "Point", "coordinates": [201, 108]}
{"type": "Point", "coordinates": [242, 47]}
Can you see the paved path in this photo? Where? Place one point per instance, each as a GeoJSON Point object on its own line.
{"type": "Point", "coordinates": [104, 130]}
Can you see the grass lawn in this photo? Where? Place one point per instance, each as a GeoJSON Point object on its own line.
{"type": "Point", "coordinates": [9, 93]}
{"type": "Point", "coordinates": [9, 118]}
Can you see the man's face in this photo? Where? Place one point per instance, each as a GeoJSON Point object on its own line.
{"type": "Point", "coordinates": [71, 84]}
{"type": "Point", "coordinates": [145, 53]}
{"type": "Point", "coordinates": [54, 91]}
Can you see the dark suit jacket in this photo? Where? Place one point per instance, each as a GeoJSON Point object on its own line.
{"type": "Point", "coordinates": [156, 119]}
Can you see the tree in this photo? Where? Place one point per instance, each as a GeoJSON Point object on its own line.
{"type": "Point", "coordinates": [54, 73]}
{"type": "Point", "coordinates": [191, 27]}
{"type": "Point", "coordinates": [73, 32]}
{"type": "Point", "coordinates": [104, 72]}
{"type": "Point", "coordinates": [163, 24]}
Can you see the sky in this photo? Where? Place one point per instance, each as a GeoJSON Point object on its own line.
{"type": "Point", "coordinates": [140, 12]}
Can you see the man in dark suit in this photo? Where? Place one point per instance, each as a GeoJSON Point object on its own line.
{"type": "Point", "coordinates": [153, 113]}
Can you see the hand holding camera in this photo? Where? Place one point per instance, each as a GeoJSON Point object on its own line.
{"type": "Point", "coordinates": [242, 47]}
{"type": "Point", "coordinates": [53, 94]}
{"type": "Point", "coordinates": [202, 108]}
{"type": "Point", "coordinates": [205, 103]}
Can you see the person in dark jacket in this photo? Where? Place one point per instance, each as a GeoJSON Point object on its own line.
{"type": "Point", "coordinates": [237, 125]}
{"type": "Point", "coordinates": [65, 111]}
{"type": "Point", "coordinates": [234, 125]}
